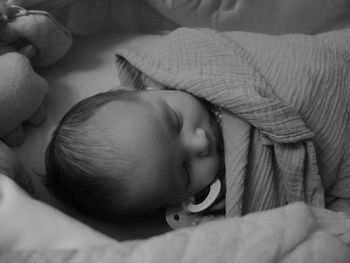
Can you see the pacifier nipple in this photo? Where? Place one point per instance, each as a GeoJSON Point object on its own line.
{"type": "Point", "coordinates": [213, 194]}
{"type": "Point", "coordinates": [185, 213]}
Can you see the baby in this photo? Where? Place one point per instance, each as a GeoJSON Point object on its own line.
{"type": "Point", "coordinates": [283, 123]}
{"type": "Point", "coordinates": [123, 152]}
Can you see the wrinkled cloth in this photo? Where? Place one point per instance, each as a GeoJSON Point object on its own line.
{"type": "Point", "coordinates": [286, 234]}
{"type": "Point", "coordinates": [293, 233]}
{"type": "Point", "coordinates": [284, 99]}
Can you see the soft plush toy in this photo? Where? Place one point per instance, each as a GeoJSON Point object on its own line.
{"type": "Point", "coordinates": [28, 39]}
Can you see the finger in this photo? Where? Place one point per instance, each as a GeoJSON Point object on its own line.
{"type": "Point", "coordinates": [29, 51]}
{"type": "Point", "coordinates": [15, 138]}
{"type": "Point", "coordinates": [38, 117]}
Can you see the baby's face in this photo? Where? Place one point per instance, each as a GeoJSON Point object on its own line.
{"type": "Point", "coordinates": [174, 146]}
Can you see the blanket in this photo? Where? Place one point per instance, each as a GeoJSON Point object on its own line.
{"type": "Point", "coordinates": [284, 99]}
{"type": "Point", "coordinates": [269, 16]}
{"type": "Point", "coordinates": [293, 233]}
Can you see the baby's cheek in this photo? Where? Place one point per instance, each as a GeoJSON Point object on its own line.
{"type": "Point", "coordinates": [206, 173]}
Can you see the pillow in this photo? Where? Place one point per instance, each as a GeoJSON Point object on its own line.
{"type": "Point", "coordinates": [271, 16]}
{"type": "Point", "coordinates": [34, 232]}
{"type": "Point", "coordinates": [95, 16]}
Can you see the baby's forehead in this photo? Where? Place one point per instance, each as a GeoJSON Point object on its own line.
{"type": "Point", "coordinates": [125, 118]}
{"type": "Point", "coordinates": [131, 129]}
{"type": "Point", "coordinates": [121, 109]}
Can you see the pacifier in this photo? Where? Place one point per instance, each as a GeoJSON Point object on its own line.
{"type": "Point", "coordinates": [185, 213]}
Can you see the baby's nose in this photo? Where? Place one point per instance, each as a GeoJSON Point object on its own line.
{"type": "Point", "coordinates": [199, 143]}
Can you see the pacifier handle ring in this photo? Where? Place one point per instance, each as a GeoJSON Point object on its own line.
{"type": "Point", "coordinates": [213, 194]}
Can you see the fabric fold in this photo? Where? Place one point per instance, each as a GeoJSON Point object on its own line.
{"type": "Point", "coordinates": [271, 89]}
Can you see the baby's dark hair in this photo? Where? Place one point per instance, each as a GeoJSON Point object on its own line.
{"type": "Point", "coordinates": [79, 167]}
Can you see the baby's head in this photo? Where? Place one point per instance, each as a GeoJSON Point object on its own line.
{"type": "Point", "coordinates": [123, 153]}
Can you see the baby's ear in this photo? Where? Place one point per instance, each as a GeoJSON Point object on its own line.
{"type": "Point", "coordinates": [122, 87]}
{"type": "Point", "coordinates": [152, 88]}
{"type": "Point", "coordinates": [150, 84]}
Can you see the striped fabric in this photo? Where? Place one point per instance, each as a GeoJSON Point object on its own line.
{"type": "Point", "coordinates": [285, 100]}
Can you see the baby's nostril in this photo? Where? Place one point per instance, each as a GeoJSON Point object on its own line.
{"type": "Point", "coordinates": [204, 153]}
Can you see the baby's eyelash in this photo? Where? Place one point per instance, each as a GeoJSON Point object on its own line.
{"type": "Point", "coordinates": [178, 123]}
{"type": "Point", "coordinates": [177, 120]}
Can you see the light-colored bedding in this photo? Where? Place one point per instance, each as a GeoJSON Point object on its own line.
{"type": "Point", "coordinates": [31, 231]}
{"type": "Point", "coordinates": [268, 16]}
{"type": "Point", "coordinates": [284, 100]}
{"type": "Point", "coordinates": [293, 233]}
{"type": "Point", "coordinates": [289, 234]}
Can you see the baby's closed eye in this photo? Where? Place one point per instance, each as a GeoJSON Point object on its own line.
{"type": "Point", "coordinates": [177, 119]}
